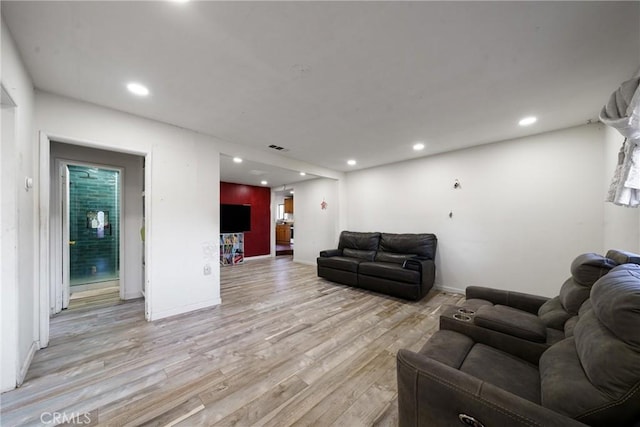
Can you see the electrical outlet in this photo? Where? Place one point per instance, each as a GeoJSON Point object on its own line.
{"type": "Point", "coordinates": [207, 269]}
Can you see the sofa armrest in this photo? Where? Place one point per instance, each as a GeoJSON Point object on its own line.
{"type": "Point", "coordinates": [417, 263]}
{"type": "Point", "coordinates": [331, 252]}
{"type": "Point", "coordinates": [433, 394]}
{"type": "Point", "coordinates": [517, 323]}
{"type": "Point", "coordinates": [427, 269]}
{"type": "Point", "coordinates": [519, 300]}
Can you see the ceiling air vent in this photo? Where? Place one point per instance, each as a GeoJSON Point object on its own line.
{"type": "Point", "coordinates": [277, 147]}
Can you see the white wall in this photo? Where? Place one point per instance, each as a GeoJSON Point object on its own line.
{"type": "Point", "coordinates": [621, 224]}
{"type": "Point", "coordinates": [315, 228]}
{"type": "Point", "coordinates": [131, 269]}
{"type": "Point", "coordinates": [182, 192]}
{"type": "Point", "coordinates": [19, 246]}
{"type": "Point", "coordinates": [525, 209]}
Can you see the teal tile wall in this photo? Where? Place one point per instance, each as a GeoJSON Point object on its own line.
{"type": "Point", "coordinates": [95, 255]}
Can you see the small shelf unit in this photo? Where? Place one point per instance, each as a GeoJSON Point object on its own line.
{"type": "Point", "coordinates": [231, 248]}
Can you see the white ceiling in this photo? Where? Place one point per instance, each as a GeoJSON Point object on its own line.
{"type": "Point", "coordinates": [253, 173]}
{"type": "Point", "coordinates": [330, 81]}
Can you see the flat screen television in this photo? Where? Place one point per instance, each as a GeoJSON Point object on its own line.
{"type": "Point", "coordinates": [235, 218]}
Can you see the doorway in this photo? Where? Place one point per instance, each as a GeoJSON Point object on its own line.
{"type": "Point", "coordinates": [285, 224]}
{"type": "Point", "coordinates": [91, 215]}
{"type": "Point", "coordinates": [106, 249]}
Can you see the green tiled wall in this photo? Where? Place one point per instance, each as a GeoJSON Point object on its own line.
{"type": "Point", "coordinates": [95, 255]}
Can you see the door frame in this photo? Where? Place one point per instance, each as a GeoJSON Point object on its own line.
{"type": "Point", "coordinates": [62, 279]}
{"type": "Point", "coordinates": [44, 256]}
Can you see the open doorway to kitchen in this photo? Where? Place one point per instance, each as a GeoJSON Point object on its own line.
{"type": "Point", "coordinates": [285, 222]}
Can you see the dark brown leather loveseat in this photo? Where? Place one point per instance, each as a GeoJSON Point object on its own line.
{"type": "Point", "coordinates": [400, 265]}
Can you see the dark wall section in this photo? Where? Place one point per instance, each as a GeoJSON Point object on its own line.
{"type": "Point", "coordinates": [256, 241]}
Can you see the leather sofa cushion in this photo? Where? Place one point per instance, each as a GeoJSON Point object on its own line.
{"type": "Point", "coordinates": [392, 257]}
{"type": "Point", "coordinates": [340, 263]}
{"type": "Point", "coordinates": [358, 253]}
{"type": "Point", "coordinates": [390, 271]}
{"type": "Point", "coordinates": [422, 245]}
{"type": "Point", "coordinates": [553, 314]}
{"type": "Point", "coordinates": [357, 240]}
{"type": "Point", "coordinates": [516, 323]}
{"type": "Point", "coordinates": [500, 369]}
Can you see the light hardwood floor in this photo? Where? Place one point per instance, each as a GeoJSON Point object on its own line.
{"type": "Point", "coordinates": [284, 348]}
{"type": "Point", "coordinates": [96, 298]}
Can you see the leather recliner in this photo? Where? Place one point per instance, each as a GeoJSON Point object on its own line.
{"type": "Point", "coordinates": [591, 378]}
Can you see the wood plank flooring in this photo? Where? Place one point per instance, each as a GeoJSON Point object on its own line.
{"type": "Point", "coordinates": [285, 348]}
{"type": "Point", "coordinates": [96, 298]}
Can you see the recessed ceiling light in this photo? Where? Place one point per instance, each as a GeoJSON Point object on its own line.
{"type": "Point", "coordinates": [138, 89]}
{"type": "Point", "coordinates": [291, 192]}
{"type": "Point", "coordinates": [263, 182]}
{"type": "Point", "coordinates": [351, 162]}
{"type": "Point", "coordinates": [418, 146]}
{"type": "Point", "coordinates": [528, 121]}
{"type": "Point", "coordinates": [179, 1]}
{"type": "Point", "coordinates": [303, 173]}
{"type": "Point", "coordinates": [237, 160]}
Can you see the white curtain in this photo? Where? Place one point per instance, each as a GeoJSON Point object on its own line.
{"type": "Point", "coordinates": [623, 113]}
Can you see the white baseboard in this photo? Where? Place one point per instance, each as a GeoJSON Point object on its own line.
{"type": "Point", "coordinates": [257, 257]}
{"type": "Point", "coordinates": [301, 261]}
{"type": "Point", "coordinates": [35, 346]}
{"type": "Point", "coordinates": [449, 289]}
{"type": "Point", "coordinates": [134, 295]}
{"type": "Point", "coordinates": [184, 309]}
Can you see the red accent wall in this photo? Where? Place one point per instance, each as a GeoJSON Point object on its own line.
{"type": "Point", "coordinates": [256, 241]}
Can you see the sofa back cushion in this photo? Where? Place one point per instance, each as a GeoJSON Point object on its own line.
{"type": "Point", "coordinates": [358, 253]}
{"type": "Point", "coordinates": [399, 247]}
{"type": "Point", "coordinates": [595, 376]}
{"type": "Point", "coordinates": [359, 241]}
{"type": "Point", "coordinates": [586, 269]}
{"type": "Point", "coordinates": [616, 302]}
{"type": "Point", "coordinates": [623, 257]}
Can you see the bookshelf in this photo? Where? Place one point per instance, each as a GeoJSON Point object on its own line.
{"type": "Point", "coordinates": [231, 248]}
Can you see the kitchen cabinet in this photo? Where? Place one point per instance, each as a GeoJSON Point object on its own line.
{"type": "Point", "coordinates": [283, 233]}
{"type": "Point", "coordinates": [288, 205]}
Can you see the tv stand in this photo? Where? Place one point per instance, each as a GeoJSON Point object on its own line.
{"type": "Point", "coordinates": [231, 248]}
